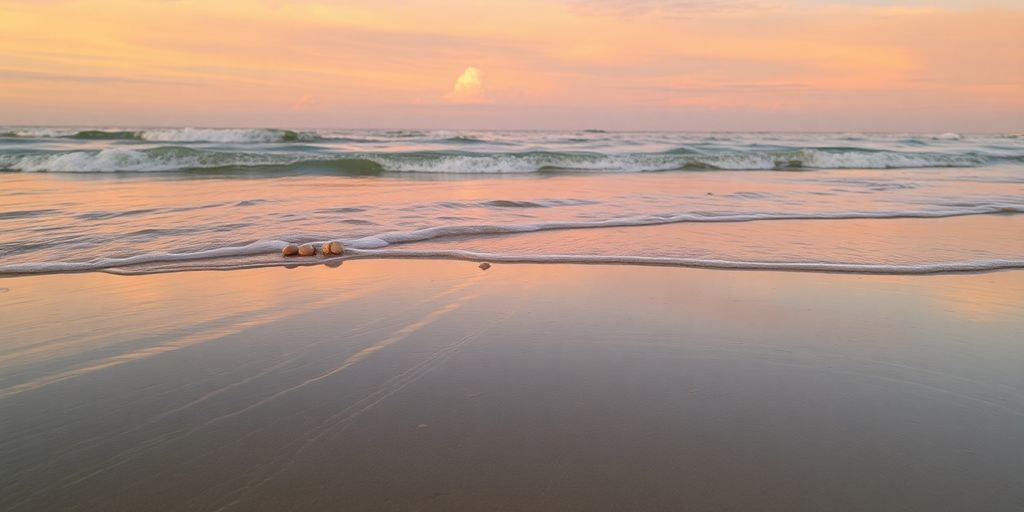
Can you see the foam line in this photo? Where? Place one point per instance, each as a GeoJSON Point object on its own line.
{"type": "Point", "coordinates": [845, 268]}
{"type": "Point", "coordinates": [191, 158]}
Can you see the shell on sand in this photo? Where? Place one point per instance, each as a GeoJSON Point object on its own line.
{"type": "Point", "coordinates": [485, 266]}
{"type": "Point", "coordinates": [307, 250]}
{"type": "Point", "coordinates": [334, 247]}
{"type": "Point", "coordinates": [290, 250]}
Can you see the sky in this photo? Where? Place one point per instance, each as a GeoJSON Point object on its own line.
{"type": "Point", "coordinates": [795, 65]}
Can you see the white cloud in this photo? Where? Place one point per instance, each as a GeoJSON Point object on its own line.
{"type": "Point", "coordinates": [468, 88]}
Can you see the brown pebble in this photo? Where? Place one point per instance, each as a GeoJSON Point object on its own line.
{"type": "Point", "coordinates": [290, 250]}
{"type": "Point", "coordinates": [334, 248]}
{"type": "Point", "coordinates": [485, 266]}
{"type": "Point", "coordinates": [307, 250]}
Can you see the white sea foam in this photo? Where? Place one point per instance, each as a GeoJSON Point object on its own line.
{"type": "Point", "coordinates": [40, 132]}
{"type": "Point", "coordinates": [107, 160]}
{"type": "Point", "coordinates": [171, 158]}
{"type": "Point", "coordinates": [748, 160]}
{"type": "Point", "coordinates": [223, 135]}
{"type": "Point", "coordinates": [216, 135]}
{"type": "Point", "coordinates": [120, 159]}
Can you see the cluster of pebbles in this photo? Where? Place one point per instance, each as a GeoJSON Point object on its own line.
{"type": "Point", "coordinates": [327, 249]}
{"type": "Point", "coordinates": [330, 249]}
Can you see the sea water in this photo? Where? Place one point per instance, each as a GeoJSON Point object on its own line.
{"type": "Point", "coordinates": [143, 200]}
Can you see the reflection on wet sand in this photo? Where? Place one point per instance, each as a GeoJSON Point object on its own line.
{"type": "Point", "coordinates": [396, 385]}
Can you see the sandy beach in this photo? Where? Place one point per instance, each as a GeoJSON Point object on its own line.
{"type": "Point", "coordinates": [434, 385]}
{"type": "Point", "coordinates": [523, 256]}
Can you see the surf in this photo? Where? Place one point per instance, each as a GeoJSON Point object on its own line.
{"type": "Point", "coordinates": [189, 159]}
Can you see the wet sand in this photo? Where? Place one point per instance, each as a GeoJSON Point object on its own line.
{"type": "Point", "coordinates": [433, 385]}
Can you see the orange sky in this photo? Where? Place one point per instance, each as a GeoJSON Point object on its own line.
{"type": "Point", "coordinates": [619, 64]}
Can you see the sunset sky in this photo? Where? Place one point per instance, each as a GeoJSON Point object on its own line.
{"type": "Point", "coordinates": [944, 65]}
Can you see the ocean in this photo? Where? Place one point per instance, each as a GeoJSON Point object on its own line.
{"type": "Point", "coordinates": [153, 200]}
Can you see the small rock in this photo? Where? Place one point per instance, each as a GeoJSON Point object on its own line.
{"type": "Point", "coordinates": [290, 250]}
{"type": "Point", "coordinates": [307, 250]}
{"type": "Point", "coordinates": [334, 247]}
{"type": "Point", "coordinates": [485, 266]}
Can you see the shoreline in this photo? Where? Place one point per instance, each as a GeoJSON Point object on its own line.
{"type": "Point", "coordinates": [945, 268]}
{"type": "Point", "coordinates": [905, 245]}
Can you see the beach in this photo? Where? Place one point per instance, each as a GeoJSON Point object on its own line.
{"type": "Point", "coordinates": [537, 256]}
{"type": "Point", "coordinates": [434, 385]}
{"type": "Point", "coordinates": [670, 320]}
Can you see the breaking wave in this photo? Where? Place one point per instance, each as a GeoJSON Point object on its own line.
{"type": "Point", "coordinates": [184, 158]}
{"type": "Point", "coordinates": [121, 159]}
{"type": "Point", "coordinates": [216, 135]}
{"type": "Point", "coordinates": [226, 135]}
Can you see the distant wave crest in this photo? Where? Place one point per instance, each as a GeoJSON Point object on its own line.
{"type": "Point", "coordinates": [215, 135]}
{"type": "Point", "coordinates": [226, 135]}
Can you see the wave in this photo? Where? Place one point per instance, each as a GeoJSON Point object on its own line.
{"type": "Point", "coordinates": [215, 135]}
{"type": "Point", "coordinates": [379, 245]}
{"type": "Point", "coordinates": [538, 203]}
{"type": "Point", "coordinates": [178, 159]}
{"type": "Point", "coordinates": [106, 135]}
{"type": "Point", "coordinates": [465, 139]}
{"type": "Point", "coordinates": [404, 134]}
{"type": "Point", "coordinates": [226, 135]}
{"type": "Point", "coordinates": [38, 133]}
{"type": "Point", "coordinates": [182, 158]}
{"type": "Point", "coordinates": [171, 158]}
